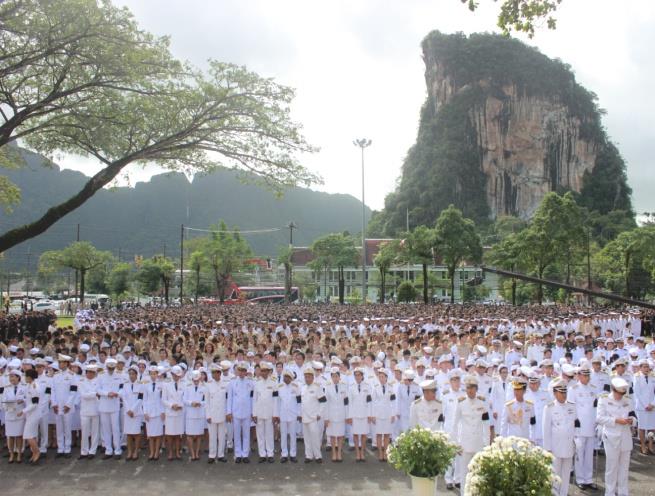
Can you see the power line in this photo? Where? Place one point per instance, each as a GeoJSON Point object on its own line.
{"type": "Point", "coordinates": [252, 231]}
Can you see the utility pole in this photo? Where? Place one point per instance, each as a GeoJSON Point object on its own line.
{"type": "Point", "coordinates": [291, 226]}
{"type": "Point", "coordinates": [77, 238]}
{"type": "Point", "coordinates": [363, 143]}
{"type": "Point", "coordinates": [27, 282]}
{"type": "Point", "coordinates": [182, 262]}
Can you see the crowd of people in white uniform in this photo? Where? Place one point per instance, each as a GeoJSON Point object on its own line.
{"type": "Point", "coordinates": [140, 382]}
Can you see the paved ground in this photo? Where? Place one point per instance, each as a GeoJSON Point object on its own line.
{"type": "Point", "coordinates": [72, 477]}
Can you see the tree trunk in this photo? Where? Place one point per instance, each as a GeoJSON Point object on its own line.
{"type": "Point", "coordinates": [627, 273]}
{"type": "Point", "coordinates": [383, 280]}
{"type": "Point", "coordinates": [195, 298]}
{"type": "Point", "coordinates": [341, 286]}
{"type": "Point", "coordinates": [540, 287]}
{"type": "Point", "coordinates": [451, 274]}
{"type": "Point", "coordinates": [27, 231]}
{"type": "Point", "coordinates": [287, 283]}
{"type": "Point", "coordinates": [166, 283]}
{"type": "Point", "coordinates": [82, 278]}
{"type": "Point", "coordinates": [425, 283]}
{"type": "Point", "coordinates": [325, 286]}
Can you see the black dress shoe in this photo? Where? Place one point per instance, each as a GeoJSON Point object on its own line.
{"type": "Point", "coordinates": [293, 459]}
{"type": "Point", "coordinates": [457, 485]}
{"type": "Point", "coordinates": [449, 486]}
{"type": "Point", "coordinates": [90, 457]}
{"type": "Point", "coordinates": [308, 460]}
{"type": "Point", "coordinates": [237, 460]}
{"type": "Point", "coordinates": [582, 487]}
{"type": "Point", "coordinates": [592, 486]}
{"type": "Point", "coordinates": [106, 457]}
{"type": "Point", "coordinates": [319, 460]}
{"type": "Point", "coordinates": [67, 455]}
{"type": "Point", "coordinates": [211, 460]}
{"type": "Point", "coordinates": [81, 457]}
{"type": "Point", "coordinates": [222, 459]}
{"type": "Point", "coordinates": [246, 460]}
{"type": "Point", "coordinates": [262, 459]}
{"type": "Point", "coordinates": [58, 455]}
{"type": "Point", "coordinates": [271, 459]}
{"type": "Point", "coordinates": [284, 459]}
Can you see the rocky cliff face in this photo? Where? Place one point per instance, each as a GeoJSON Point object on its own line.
{"type": "Point", "coordinates": [529, 145]}
{"type": "Point", "coordinates": [502, 126]}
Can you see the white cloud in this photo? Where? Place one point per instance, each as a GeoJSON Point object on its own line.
{"type": "Point", "coordinates": [357, 69]}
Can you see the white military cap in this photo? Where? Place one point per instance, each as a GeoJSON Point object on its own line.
{"type": "Point", "coordinates": [265, 366]}
{"type": "Point", "coordinates": [120, 358]}
{"type": "Point", "coordinates": [195, 375]}
{"type": "Point", "coordinates": [213, 367]}
{"type": "Point", "coordinates": [455, 374]}
{"type": "Point", "coordinates": [153, 368]}
{"type": "Point", "coordinates": [84, 348]}
{"type": "Point", "coordinates": [64, 358]}
{"type": "Point", "coordinates": [111, 363]}
{"type": "Point", "coordinates": [358, 370]}
{"type": "Point", "coordinates": [518, 344]}
{"type": "Point", "coordinates": [289, 373]}
{"type": "Point", "coordinates": [225, 364]}
{"type": "Point", "coordinates": [381, 356]}
{"type": "Point", "coordinates": [620, 384]}
{"type": "Point", "coordinates": [92, 367]}
{"type": "Point", "coordinates": [481, 363]}
{"type": "Point", "coordinates": [470, 380]}
{"type": "Point", "coordinates": [568, 369]}
{"type": "Point", "coordinates": [317, 365]}
{"type": "Point", "coordinates": [308, 370]}
{"type": "Point", "coordinates": [176, 370]}
{"type": "Point", "coordinates": [409, 374]}
{"type": "Point", "coordinates": [335, 370]}
{"type": "Point", "coordinates": [377, 364]}
{"type": "Point", "coordinates": [428, 350]}
{"type": "Point", "coordinates": [16, 372]}
{"type": "Point", "coordinates": [34, 351]}
{"type": "Point", "coordinates": [481, 349]}
{"type": "Point", "coordinates": [428, 384]}
{"type": "Point", "coordinates": [127, 349]}
{"type": "Point", "coordinates": [559, 384]}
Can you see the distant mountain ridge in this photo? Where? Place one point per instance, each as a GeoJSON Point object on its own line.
{"type": "Point", "coordinates": [146, 219]}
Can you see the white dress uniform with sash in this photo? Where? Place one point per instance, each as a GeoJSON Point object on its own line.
{"type": "Point", "coordinates": [215, 410]}
{"type": "Point", "coordinates": [289, 410]}
{"type": "Point", "coordinates": [64, 394]}
{"type": "Point", "coordinates": [240, 395]}
{"type": "Point", "coordinates": [312, 408]}
{"type": "Point", "coordinates": [46, 384]}
{"type": "Point", "coordinates": [518, 419]}
{"type": "Point", "coordinates": [132, 396]}
{"type": "Point", "coordinates": [153, 407]}
{"type": "Point", "coordinates": [174, 419]}
{"type": "Point", "coordinates": [89, 415]}
{"type": "Point", "coordinates": [427, 414]}
{"type": "Point", "coordinates": [585, 399]}
{"type": "Point", "coordinates": [560, 422]}
{"type": "Point", "coordinates": [109, 408]}
{"type": "Point", "coordinates": [473, 428]}
{"type": "Point", "coordinates": [617, 438]}
{"type": "Point", "coordinates": [264, 408]}
{"type": "Point", "coordinates": [195, 416]}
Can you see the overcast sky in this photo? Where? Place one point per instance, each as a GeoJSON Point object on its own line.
{"type": "Point", "coordinates": [358, 72]}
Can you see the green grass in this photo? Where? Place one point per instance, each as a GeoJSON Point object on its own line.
{"type": "Point", "coordinates": [64, 321]}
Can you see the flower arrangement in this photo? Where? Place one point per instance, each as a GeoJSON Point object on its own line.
{"type": "Point", "coordinates": [422, 452]}
{"type": "Point", "coordinates": [511, 466]}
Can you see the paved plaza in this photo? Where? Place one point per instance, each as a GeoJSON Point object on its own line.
{"type": "Point", "coordinates": [72, 477]}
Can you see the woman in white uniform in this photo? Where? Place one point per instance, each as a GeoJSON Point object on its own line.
{"type": "Point", "coordinates": [337, 408]}
{"type": "Point", "coordinates": [34, 395]}
{"type": "Point", "coordinates": [13, 402]}
{"type": "Point", "coordinates": [384, 408]}
{"type": "Point", "coordinates": [360, 400]}
{"type": "Point", "coordinates": [132, 396]}
{"type": "Point", "coordinates": [174, 411]}
{"type": "Point", "coordinates": [153, 411]}
{"type": "Point", "coordinates": [195, 419]}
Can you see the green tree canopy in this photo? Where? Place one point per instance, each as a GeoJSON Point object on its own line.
{"type": "Point", "coordinates": [335, 251]}
{"type": "Point", "coordinates": [418, 248]}
{"type": "Point", "coordinates": [456, 240]}
{"type": "Point", "coordinates": [523, 15]}
{"type": "Point", "coordinates": [156, 273]}
{"type": "Point", "coordinates": [225, 116]}
{"type": "Point", "coordinates": [81, 256]}
{"type": "Point", "coordinates": [226, 252]}
{"type": "Point", "coordinates": [384, 260]}
{"type": "Point", "coordinates": [119, 279]}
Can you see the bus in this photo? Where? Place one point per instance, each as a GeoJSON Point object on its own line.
{"type": "Point", "coordinates": [261, 294]}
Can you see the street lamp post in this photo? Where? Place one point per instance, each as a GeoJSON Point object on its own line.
{"type": "Point", "coordinates": [363, 143]}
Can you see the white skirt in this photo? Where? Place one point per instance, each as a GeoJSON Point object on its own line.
{"type": "Point", "coordinates": [155, 427]}
{"type": "Point", "coordinates": [336, 429]}
{"type": "Point", "coordinates": [132, 425]}
{"type": "Point", "coordinates": [360, 427]}
{"type": "Point", "coordinates": [195, 427]}
{"type": "Point", "coordinates": [31, 429]}
{"type": "Point", "coordinates": [174, 426]}
{"type": "Point", "coordinates": [382, 426]}
{"type": "Point", "coordinates": [14, 428]}
{"type": "Point", "coordinates": [645, 419]}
